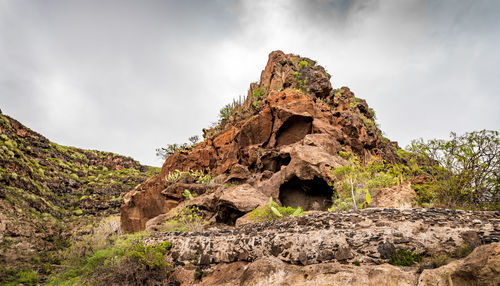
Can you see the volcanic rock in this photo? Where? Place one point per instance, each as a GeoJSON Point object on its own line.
{"type": "Point", "coordinates": [282, 142]}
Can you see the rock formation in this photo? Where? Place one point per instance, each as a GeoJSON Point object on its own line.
{"type": "Point", "coordinates": [281, 142]}
{"type": "Point", "coordinates": [480, 268]}
{"type": "Point", "coordinates": [341, 249]}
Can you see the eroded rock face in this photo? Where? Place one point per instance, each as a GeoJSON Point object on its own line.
{"type": "Point", "coordinates": [481, 267]}
{"type": "Point", "coordinates": [324, 249]}
{"type": "Point", "coordinates": [286, 141]}
{"type": "Point", "coordinates": [369, 236]}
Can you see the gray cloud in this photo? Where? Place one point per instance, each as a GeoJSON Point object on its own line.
{"type": "Point", "coordinates": [129, 76]}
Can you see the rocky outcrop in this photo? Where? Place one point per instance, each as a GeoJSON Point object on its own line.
{"type": "Point", "coordinates": [369, 236]}
{"type": "Point", "coordinates": [400, 196]}
{"type": "Point", "coordinates": [480, 268]}
{"type": "Point", "coordinates": [341, 249]}
{"type": "Point", "coordinates": [282, 141]}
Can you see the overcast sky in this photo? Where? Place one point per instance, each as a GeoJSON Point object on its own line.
{"type": "Point", "coordinates": [131, 76]}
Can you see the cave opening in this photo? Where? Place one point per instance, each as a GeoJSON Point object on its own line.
{"type": "Point", "coordinates": [227, 214]}
{"type": "Point", "coordinates": [313, 194]}
{"type": "Point", "coordinates": [294, 129]}
{"type": "Point", "coordinates": [274, 163]}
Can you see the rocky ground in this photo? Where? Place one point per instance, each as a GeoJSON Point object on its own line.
{"type": "Point", "coordinates": [348, 248]}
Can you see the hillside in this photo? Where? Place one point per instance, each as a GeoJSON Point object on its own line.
{"type": "Point", "coordinates": [49, 191]}
{"type": "Point", "coordinates": [294, 185]}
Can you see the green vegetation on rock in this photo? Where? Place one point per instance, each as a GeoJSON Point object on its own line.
{"type": "Point", "coordinates": [48, 191]}
{"type": "Point", "coordinates": [272, 211]}
{"type": "Point", "coordinates": [404, 257]}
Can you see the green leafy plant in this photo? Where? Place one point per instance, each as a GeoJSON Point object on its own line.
{"type": "Point", "coordinates": [303, 64]}
{"type": "Point", "coordinates": [189, 218]}
{"type": "Point", "coordinates": [404, 257]}
{"type": "Point", "coordinates": [463, 171]}
{"type": "Point", "coordinates": [258, 93]}
{"type": "Point", "coordinates": [187, 194]}
{"type": "Point", "coordinates": [122, 256]}
{"type": "Point", "coordinates": [273, 211]}
{"type": "Point", "coordinates": [356, 181]}
{"type": "Point", "coordinates": [197, 176]}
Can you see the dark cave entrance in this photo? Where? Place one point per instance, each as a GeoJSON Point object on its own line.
{"type": "Point", "coordinates": [294, 129]}
{"type": "Point", "coordinates": [227, 214]}
{"type": "Point", "coordinates": [274, 163]}
{"type": "Point", "coordinates": [313, 194]}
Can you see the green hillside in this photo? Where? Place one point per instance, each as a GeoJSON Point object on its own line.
{"type": "Point", "coordinates": [48, 192]}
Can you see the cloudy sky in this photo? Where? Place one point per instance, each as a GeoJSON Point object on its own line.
{"type": "Point", "coordinates": [130, 76]}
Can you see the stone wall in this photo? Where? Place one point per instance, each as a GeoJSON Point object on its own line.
{"type": "Point", "coordinates": [369, 236]}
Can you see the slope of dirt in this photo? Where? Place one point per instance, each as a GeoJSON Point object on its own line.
{"type": "Point", "coordinates": [48, 190]}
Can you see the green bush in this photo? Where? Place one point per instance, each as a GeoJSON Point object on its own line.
{"type": "Point", "coordinates": [272, 211]}
{"type": "Point", "coordinates": [189, 218]}
{"type": "Point", "coordinates": [124, 256]}
{"type": "Point", "coordinates": [463, 172]}
{"type": "Point", "coordinates": [404, 257]}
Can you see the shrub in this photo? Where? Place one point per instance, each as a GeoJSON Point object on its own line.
{"type": "Point", "coordinates": [189, 218]}
{"type": "Point", "coordinates": [356, 181]}
{"type": "Point", "coordinates": [225, 112]}
{"type": "Point", "coordinates": [258, 93]}
{"type": "Point", "coordinates": [303, 64]}
{"type": "Point", "coordinates": [463, 171]}
{"type": "Point", "coordinates": [272, 211]}
{"type": "Point", "coordinates": [164, 153]}
{"type": "Point", "coordinates": [404, 257]}
{"type": "Point", "coordinates": [197, 176]}
{"type": "Point", "coordinates": [123, 259]}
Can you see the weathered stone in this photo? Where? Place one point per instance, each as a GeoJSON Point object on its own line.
{"type": "Point", "coordinates": [481, 267]}
{"type": "Point", "coordinates": [283, 141]}
{"type": "Point", "coordinates": [343, 253]}
{"type": "Point", "coordinates": [401, 196]}
{"type": "Point", "coordinates": [243, 198]}
{"type": "Point", "coordinates": [386, 250]}
{"type": "Point", "coordinates": [347, 235]}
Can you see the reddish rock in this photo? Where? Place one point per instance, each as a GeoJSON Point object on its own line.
{"type": "Point", "coordinates": [282, 141]}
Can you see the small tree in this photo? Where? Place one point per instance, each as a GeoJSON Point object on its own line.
{"type": "Point", "coordinates": [356, 181]}
{"type": "Point", "coordinates": [465, 169]}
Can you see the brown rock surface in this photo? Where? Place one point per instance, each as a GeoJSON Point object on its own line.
{"type": "Point", "coordinates": [367, 236]}
{"type": "Point", "coordinates": [481, 267]}
{"type": "Point", "coordinates": [401, 196]}
{"type": "Point", "coordinates": [283, 142]}
{"type": "Point", "coordinates": [324, 248]}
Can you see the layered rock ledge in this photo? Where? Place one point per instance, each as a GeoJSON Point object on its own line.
{"type": "Point", "coordinates": [368, 236]}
